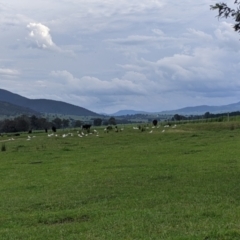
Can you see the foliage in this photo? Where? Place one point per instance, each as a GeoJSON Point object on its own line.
{"type": "Point", "coordinates": [57, 122]}
{"type": "Point", "coordinates": [97, 122]}
{"type": "Point", "coordinates": [65, 123]}
{"type": "Point", "coordinates": [77, 124]}
{"type": "Point", "coordinates": [224, 11]}
{"type": "Point", "coordinates": [112, 121]}
{"type": "Point", "coordinates": [24, 123]}
{"type": "Point", "coordinates": [3, 148]}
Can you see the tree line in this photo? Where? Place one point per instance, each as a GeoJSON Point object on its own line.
{"type": "Point", "coordinates": [26, 123]}
{"type": "Point", "coordinates": [206, 115]}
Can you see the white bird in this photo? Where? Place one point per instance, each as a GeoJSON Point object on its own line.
{"type": "Point", "coordinates": [150, 131]}
{"type": "Point", "coordinates": [163, 130]}
{"type": "Point", "coordinates": [29, 137]}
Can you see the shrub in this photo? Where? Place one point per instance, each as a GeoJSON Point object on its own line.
{"type": "Point", "coordinates": [232, 127]}
{"type": "Point", "coordinates": [3, 148]}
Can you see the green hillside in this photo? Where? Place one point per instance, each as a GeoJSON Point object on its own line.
{"type": "Point", "coordinates": [8, 109]}
{"type": "Point", "coordinates": [45, 105]}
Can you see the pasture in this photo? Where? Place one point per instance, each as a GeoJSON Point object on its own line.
{"type": "Point", "coordinates": [180, 184]}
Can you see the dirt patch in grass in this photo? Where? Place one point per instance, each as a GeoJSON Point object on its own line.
{"type": "Point", "coordinates": [64, 220]}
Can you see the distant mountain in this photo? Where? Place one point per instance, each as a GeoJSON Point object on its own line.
{"type": "Point", "coordinates": [199, 110]}
{"type": "Point", "coordinates": [9, 109]}
{"type": "Point", "coordinates": [127, 112]}
{"type": "Point", "coordinates": [44, 105]}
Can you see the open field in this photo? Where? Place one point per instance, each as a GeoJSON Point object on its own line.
{"type": "Point", "coordinates": [180, 184]}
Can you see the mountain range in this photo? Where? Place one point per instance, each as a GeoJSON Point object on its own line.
{"type": "Point", "coordinates": [197, 110]}
{"type": "Point", "coordinates": [13, 104]}
{"type": "Point", "coordinates": [9, 109]}
{"type": "Point", "coordinates": [41, 105]}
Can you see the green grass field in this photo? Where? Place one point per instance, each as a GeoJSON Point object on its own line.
{"type": "Point", "coordinates": [180, 184]}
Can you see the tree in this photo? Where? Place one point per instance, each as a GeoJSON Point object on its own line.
{"type": "Point", "coordinates": [65, 123]}
{"type": "Point", "coordinates": [22, 123]}
{"type": "Point", "coordinates": [8, 126]}
{"type": "Point", "coordinates": [112, 121]}
{"type": "Point", "coordinates": [34, 122]}
{"type": "Point", "coordinates": [57, 122]}
{"type": "Point", "coordinates": [225, 12]}
{"type": "Point", "coordinates": [97, 122]}
{"type": "Point", "coordinates": [207, 115]}
{"type": "Point", "coordinates": [177, 117]}
{"type": "Point", "coordinates": [78, 123]}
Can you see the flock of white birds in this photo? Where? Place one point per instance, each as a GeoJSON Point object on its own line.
{"type": "Point", "coordinates": [94, 132]}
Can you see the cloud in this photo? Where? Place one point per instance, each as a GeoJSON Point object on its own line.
{"type": "Point", "coordinates": [88, 85]}
{"type": "Point", "coordinates": [227, 37]}
{"type": "Point", "coordinates": [200, 35]}
{"type": "Point", "coordinates": [133, 40]}
{"type": "Point", "coordinates": [6, 72]}
{"type": "Point", "coordinates": [40, 37]}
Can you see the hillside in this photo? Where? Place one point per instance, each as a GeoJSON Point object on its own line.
{"type": "Point", "coordinates": [8, 109]}
{"type": "Point", "coordinates": [128, 112]}
{"type": "Point", "coordinates": [198, 110]}
{"type": "Point", "coordinates": [44, 105]}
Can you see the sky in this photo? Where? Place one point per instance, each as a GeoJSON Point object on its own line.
{"type": "Point", "coordinates": [111, 55]}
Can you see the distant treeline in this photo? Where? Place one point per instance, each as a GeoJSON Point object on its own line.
{"type": "Point", "coordinates": [207, 116]}
{"type": "Point", "coordinates": [25, 123]}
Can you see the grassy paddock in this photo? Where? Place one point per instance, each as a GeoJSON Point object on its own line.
{"type": "Point", "coordinates": [180, 184]}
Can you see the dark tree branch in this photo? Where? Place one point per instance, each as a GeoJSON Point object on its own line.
{"type": "Point", "coordinates": [225, 12]}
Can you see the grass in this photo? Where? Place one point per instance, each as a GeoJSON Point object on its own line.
{"type": "Point", "coordinates": [180, 184]}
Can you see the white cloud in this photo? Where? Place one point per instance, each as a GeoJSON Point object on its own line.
{"type": "Point", "coordinates": [158, 32]}
{"type": "Point", "coordinates": [226, 37]}
{"type": "Point", "coordinates": [91, 85]}
{"type": "Point", "coordinates": [202, 36]}
{"type": "Point", "coordinates": [6, 72]}
{"type": "Point", "coordinates": [133, 40]}
{"type": "Point", "coordinates": [40, 37]}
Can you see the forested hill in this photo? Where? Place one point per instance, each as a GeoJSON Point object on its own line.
{"type": "Point", "coordinates": [44, 105]}
{"type": "Point", "coordinates": [9, 109]}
